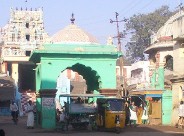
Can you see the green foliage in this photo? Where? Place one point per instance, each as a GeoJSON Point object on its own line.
{"type": "Point", "coordinates": [142, 26]}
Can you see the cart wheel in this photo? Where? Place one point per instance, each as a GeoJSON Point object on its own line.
{"type": "Point", "coordinates": [117, 130]}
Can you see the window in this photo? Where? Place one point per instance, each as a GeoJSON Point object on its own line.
{"type": "Point", "coordinates": [28, 53]}
{"type": "Point", "coordinates": [35, 37]}
{"type": "Point", "coordinates": [13, 37]}
{"type": "Point", "coordinates": [41, 37]}
{"type": "Point", "coordinates": [28, 37]}
{"type": "Point", "coordinates": [115, 105]}
{"type": "Point", "coordinates": [27, 25]}
{"type": "Point", "coordinates": [19, 35]}
{"type": "Point", "coordinates": [169, 62]}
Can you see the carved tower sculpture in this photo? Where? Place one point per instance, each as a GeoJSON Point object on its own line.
{"type": "Point", "coordinates": [23, 33]}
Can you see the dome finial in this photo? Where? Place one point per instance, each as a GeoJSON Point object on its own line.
{"type": "Point", "coordinates": [109, 41]}
{"type": "Point", "coordinates": [72, 19]}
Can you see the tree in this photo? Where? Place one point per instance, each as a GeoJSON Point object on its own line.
{"type": "Point", "coordinates": [142, 25]}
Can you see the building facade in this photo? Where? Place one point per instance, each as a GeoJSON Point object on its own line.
{"type": "Point", "coordinates": [166, 59]}
{"type": "Point", "coordinates": [139, 74]}
{"type": "Point", "coordinates": [23, 33]}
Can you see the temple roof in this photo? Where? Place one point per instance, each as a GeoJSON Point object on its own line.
{"type": "Point", "coordinates": [168, 28]}
{"type": "Point", "coordinates": [157, 46]}
{"type": "Point", "coordinates": [73, 34]}
{"type": "Point", "coordinates": [71, 49]}
{"type": "Point", "coordinates": [164, 36]}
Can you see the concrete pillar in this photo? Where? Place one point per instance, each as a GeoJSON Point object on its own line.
{"type": "Point", "coordinates": [152, 75]}
{"type": "Point", "coordinates": [48, 109]}
{"type": "Point", "coordinates": [15, 71]}
{"type": "Point", "coordinates": [4, 67]}
{"type": "Point", "coordinates": [161, 76]}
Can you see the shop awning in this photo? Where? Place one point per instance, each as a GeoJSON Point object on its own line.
{"type": "Point", "coordinates": [147, 92]}
{"type": "Point", "coordinates": [153, 95]}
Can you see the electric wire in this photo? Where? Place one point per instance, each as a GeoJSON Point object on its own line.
{"type": "Point", "coordinates": [131, 6]}
{"type": "Point", "coordinates": [145, 6]}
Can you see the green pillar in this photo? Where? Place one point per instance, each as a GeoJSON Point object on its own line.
{"type": "Point", "coordinates": [161, 77]}
{"type": "Point", "coordinates": [48, 108]}
{"type": "Point", "coordinates": [157, 78]}
{"type": "Point", "coordinates": [38, 110]}
{"type": "Point", "coordinates": [38, 99]}
{"type": "Point", "coordinates": [153, 79]}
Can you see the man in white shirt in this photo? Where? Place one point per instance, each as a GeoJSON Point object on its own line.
{"type": "Point", "coordinates": [14, 110]}
{"type": "Point", "coordinates": [181, 114]}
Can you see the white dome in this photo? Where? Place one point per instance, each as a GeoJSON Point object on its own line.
{"type": "Point", "coordinates": [73, 34]}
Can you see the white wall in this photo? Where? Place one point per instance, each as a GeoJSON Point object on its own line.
{"type": "Point", "coordinates": [142, 77]}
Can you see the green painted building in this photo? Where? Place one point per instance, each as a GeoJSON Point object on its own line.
{"type": "Point", "coordinates": [71, 48]}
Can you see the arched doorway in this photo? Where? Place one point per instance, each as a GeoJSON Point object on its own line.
{"type": "Point", "coordinates": [77, 82]}
{"type": "Point", "coordinates": [76, 79]}
{"type": "Point", "coordinates": [91, 76]}
{"type": "Point", "coordinates": [78, 73]}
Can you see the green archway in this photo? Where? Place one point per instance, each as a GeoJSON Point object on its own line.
{"type": "Point", "coordinates": [71, 48]}
{"type": "Point", "coordinates": [91, 76]}
{"type": "Point", "coordinates": [97, 64]}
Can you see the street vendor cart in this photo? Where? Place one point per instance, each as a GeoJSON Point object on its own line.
{"type": "Point", "coordinates": [79, 111]}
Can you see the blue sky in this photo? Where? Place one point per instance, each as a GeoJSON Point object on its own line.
{"type": "Point", "coordinates": [91, 15]}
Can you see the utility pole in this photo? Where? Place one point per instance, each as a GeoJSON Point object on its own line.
{"type": "Point", "coordinates": [119, 36]}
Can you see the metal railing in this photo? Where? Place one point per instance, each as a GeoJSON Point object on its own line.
{"type": "Point", "coordinates": [13, 52]}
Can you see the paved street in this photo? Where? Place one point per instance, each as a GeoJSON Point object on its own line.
{"type": "Point", "coordinates": [20, 130]}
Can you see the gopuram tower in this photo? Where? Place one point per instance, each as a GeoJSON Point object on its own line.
{"type": "Point", "coordinates": [23, 33]}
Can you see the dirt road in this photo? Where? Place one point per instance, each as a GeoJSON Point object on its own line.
{"type": "Point", "coordinates": [21, 130]}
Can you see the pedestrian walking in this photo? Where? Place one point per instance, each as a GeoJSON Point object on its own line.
{"type": "Point", "coordinates": [14, 111]}
{"type": "Point", "coordinates": [30, 117]}
{"type": "Point", "coordinates": [181, 115]}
